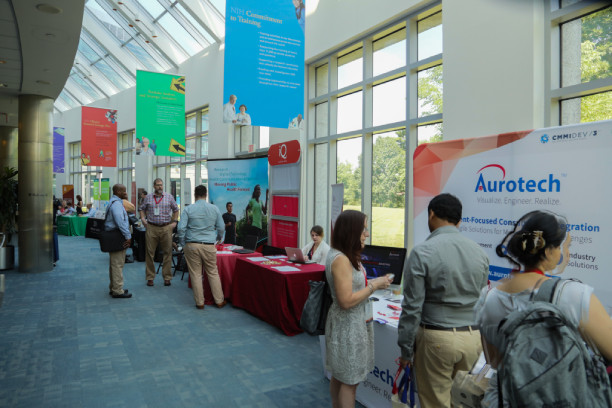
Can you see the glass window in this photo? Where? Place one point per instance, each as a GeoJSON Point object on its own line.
{"type": "Point", "coordinates": [152, 7]}
{"type": "Point", "coordinates": [93, 93]}
{"type": "Point", "coordinates": [587, 48]}
{"type": "Point", "coordinates": [69, 100]}
{"type": "Point", "coordinates": [388, 188]}
{"type": "Point", "coordinates": [349, 112]}
{"type": "Point", "coordinates": [430, 91]}
{"type": "Point", "coordinates": [190, 175]}
{"type": "Point", "coordinates": [321, 184]}
{"type": "Point", "coordinates": [429, 36]}
{"type": "Point", "coordinates": [191, 149]}
{"type": "Point", "coordinates": [322, 84]}
{"type": "Point", "coordinates": [350, 68]}
{"type": "Point", "coordinates": [142, 56]}
{"type": "Point", "coordinates": [112, 75]}
{"type": "Point", "coordinates": [180, 35]}
{"type": "Point", "coordinates": [87, 51]}
{"type": "Point", "coordinates": [429, 133]}
{"type": "Point", "coordinates": [190, 124]}
{"type": "Point", "coordinates": [204, 121]}
{"type": "Point", "coordinates": [219, 5]}
{"type": "Point", "coordinates": [204, 146]}
{"type": "Point", "coordinates": [194, 23]}
{"type": "Point", "coordinates": [321, 120]}
{"type": "Point", "coordinates": [175, 183]}
{"type": "Point", "coordinates": [587, 109]}
{"type": "Point", "coordinates": [348, 171]}
{"type": "Point", "coordinates": [389, 52]}
{"type": "Point", "coordinates": [389, 102]}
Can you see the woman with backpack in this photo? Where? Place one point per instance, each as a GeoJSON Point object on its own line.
{"type": "Point", "coordinates": [539, 244]}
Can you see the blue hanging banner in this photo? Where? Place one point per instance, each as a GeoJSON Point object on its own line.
{"type": "Point", "coordinates": [58, 149]}
{"type": "Point", "coordinates": [264, 63]}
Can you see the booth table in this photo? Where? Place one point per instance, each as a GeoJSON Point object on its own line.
{"type": "Point", "coordinates": [226, 264]}
{"type": "Point", "coordinates": [71, 225]}
{"type": "Point", "coordinates": [276, 297]}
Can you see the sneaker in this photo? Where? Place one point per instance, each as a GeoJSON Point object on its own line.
{"type": "Point", "coordinates": [123, 296]}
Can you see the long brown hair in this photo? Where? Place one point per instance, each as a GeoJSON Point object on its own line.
{"type": "Point", "coordinates": [346, 236]}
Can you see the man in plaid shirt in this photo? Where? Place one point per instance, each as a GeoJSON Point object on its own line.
{"type": "Point", "coordinates": [159, 214]}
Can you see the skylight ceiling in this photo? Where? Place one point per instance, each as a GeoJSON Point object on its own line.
{"type": "Point", "coordinates": [120, 37]}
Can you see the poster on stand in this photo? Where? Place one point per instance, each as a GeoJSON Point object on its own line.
{"type": "Point", "coordinates": [101, 191]}
{"type": "Point", "coordinates": [160, 114]}
{"type": "Point", "coordinates": [264, 63]}
{"type": "Point", "coordinates": [502, 177]}
{"type": "Point", "coordinates": [98, 137]}
{"type": "Point", "coordinates": [59, 134]}
{"type": "Point", "coordinates": [244, 183]}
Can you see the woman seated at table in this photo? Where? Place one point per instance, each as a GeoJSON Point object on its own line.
{"type": "Point", "coordinates": [317, 249]}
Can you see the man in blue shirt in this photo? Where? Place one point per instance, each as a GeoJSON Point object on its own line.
{"type": "Point", "coordinates": [199, 230]}
{"type": "Point", "coordinates": [118, 219]}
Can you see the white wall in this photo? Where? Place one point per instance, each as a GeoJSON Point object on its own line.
{"type": "Point", "coordinates": [493, 67]}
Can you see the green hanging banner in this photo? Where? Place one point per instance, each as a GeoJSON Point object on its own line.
{"type": "Point", "coordinates": [160, 114]}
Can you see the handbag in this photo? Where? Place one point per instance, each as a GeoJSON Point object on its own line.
{"type": "Point", "coordinates": [402, 395]}
{"type": "Point", "coordinates": [314, 314]}
{"type": "Point", "coordinates": [112, 240]}
{"type": "Point", "coordinates": [468, 389]}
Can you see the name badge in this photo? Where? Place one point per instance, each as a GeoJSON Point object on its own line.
{"type": "Point", "coordinates": [156, 211]}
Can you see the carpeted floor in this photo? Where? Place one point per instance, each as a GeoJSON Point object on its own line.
{"type": "Point", "coordinates": [64, 342]}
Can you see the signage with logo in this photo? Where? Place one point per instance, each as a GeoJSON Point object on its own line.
{"type": "Point", "coordinates": [284, 153]}
{"type": "Point", "coordinates": [500, 178]}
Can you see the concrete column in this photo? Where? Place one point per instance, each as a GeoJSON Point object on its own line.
{"type": "Point", "coordinates": [8, 146]}
{"type": "Point", "coordinates": [35, 183]}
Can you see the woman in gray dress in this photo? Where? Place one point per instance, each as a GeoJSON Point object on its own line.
{"type": "Point", "coordinates": [349, 339]}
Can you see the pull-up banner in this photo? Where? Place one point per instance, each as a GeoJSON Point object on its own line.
{"type": "Point", "coordinates": [98, 137]}
{"type": "Point", "coordinates": [264, 62]}
{"type": "Point", "coordinates": [501, 178]}
{"type": "Point", "coordinates": [58, 149]}
{"type": "Point", "coordinates": [160, 114]}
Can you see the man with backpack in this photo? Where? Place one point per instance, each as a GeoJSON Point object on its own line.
{"type": "Point", "coordinates": [443, 277]}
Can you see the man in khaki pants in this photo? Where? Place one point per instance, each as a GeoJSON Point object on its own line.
{"type": "Point", "coordinates": [200, 229]}
{"type": "Point", "coordinates": [118, 219]}
{"type": "Point", "coordinates": [443, 277]}
{"type": "Point", "coordinates": [159, 214]}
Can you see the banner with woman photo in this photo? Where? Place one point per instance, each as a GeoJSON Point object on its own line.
{"type": "Point", "coordinates": [244, 183]}
{"type": "Point", "coordinates": [502, 177]}
{"type": "Point", "coordinates": [264, 63]}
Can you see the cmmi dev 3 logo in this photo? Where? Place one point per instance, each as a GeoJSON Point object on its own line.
{"type": "Point", "coordinates": [566, 137]}
{"type": "Point", "coordinates": [495, 184]}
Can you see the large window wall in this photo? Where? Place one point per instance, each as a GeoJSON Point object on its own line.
{"type": "Point", "coordinates": [125, 160]}
{"type": "Point", "coordinates": [580, 57]}
{"type": "Point", "coordinates": [372, 102]}
{"type": "Point", "coordinates": [81, 177]}
{"type": "Point", "coordinates": [175, 171]}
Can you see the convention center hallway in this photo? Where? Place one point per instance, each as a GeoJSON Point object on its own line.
{"type": "Point", "coordinates": [64, 342]}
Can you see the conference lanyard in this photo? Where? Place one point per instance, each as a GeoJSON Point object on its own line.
{"type": "Point", "coordinates": [364, 274]}
{"type": "Point", "coordinates": [160, 200]}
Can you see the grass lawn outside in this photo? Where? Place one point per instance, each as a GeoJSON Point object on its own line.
{"type": "Point", "coordinates": [387, 226]}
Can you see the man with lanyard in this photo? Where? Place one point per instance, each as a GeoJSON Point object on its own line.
{"type": "Point", "coordinates": [118, 219]}
{"type": "Point", "coordinates": [230, 224]}
{"type": "Point", "coordinates": [443, 277]}
{"type": "Point", "coordinates": [159, 214]}
{"type": "Point", "coordinates": [201, 227]}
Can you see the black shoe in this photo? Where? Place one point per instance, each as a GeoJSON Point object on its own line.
{"type": "Point", "coordinates": [110, 293]}
{"type": "Point", "coordinates": [123, 296]}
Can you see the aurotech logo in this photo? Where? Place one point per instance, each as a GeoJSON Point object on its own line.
{"type": "Point", "coordinates": [494, 183]}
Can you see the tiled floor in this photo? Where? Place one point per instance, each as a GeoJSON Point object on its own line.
{"type": "Point", "coordinates": [64, 342]}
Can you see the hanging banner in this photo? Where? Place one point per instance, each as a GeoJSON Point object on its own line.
{"type": "Point", "coordinates": [241, 182]}
{"type": "Point", "coordinates": [264, 63]}
{"type": "Point", "coordinates": [58, 149]}
{"type": "Point", "coordinates": [160, 114]}
{"type": "Point", "coordinates": [98, 137]}
{"type": "Point", "coordinates": [500, 178]}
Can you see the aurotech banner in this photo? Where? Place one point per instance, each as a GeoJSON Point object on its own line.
{"type": "Point", "coordinates": [98, 137]}
{"type": "Point", "coordinates": [160, 114]}
{"type": "Point", "coordinates": [500, 178]}
{"type": "Point", "coordinates": [264, 63]}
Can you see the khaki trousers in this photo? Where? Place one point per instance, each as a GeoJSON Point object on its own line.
{"type": "Point", "coordinates": [438, 356]}
{"type": "Point", "coordinates": [197, 255]}
{"type": "Point", "coordinates": [115, 271]}
{"type": "Point", "coordinates": [163, 236]}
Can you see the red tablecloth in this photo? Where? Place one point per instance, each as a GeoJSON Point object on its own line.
{"type": "Point", "coordinates": [275, 297]}
{"type": "Point", "coordinates": [226, 264]}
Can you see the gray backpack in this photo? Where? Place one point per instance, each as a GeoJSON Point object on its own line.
{"type": "Point", "coordinates": [545, 360]}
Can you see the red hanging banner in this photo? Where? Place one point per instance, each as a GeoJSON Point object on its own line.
{"type": "Point", "coordinates": [98, 137]}
{"type": "Point", "coordinates": [284, 153]}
